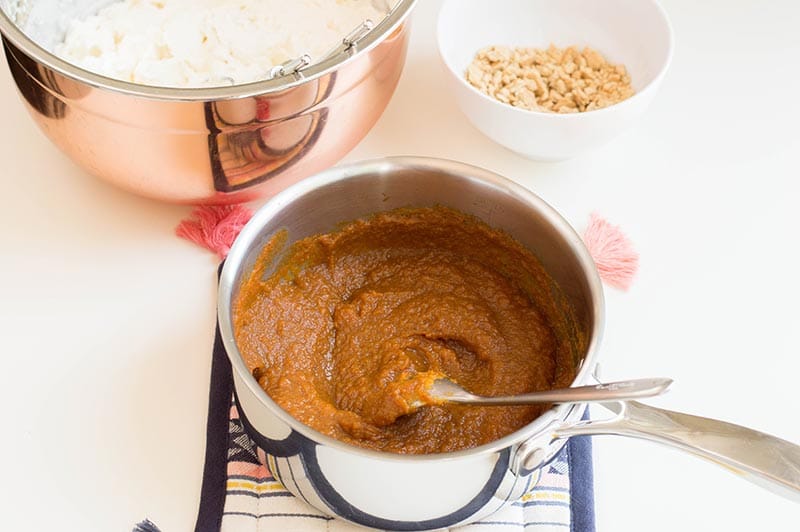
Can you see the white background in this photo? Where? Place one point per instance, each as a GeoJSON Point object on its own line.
{"type": "Point", "coordinates": [107, 318]}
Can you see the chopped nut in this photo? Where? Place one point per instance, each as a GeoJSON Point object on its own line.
{"type": "Point", "coordinates": [559, 80]}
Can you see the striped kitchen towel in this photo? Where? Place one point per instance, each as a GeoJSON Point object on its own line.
{"type": "Point", "coordinates": [240, 494]}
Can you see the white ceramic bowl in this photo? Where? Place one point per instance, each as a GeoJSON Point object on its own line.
{"type": "Point", "coordinates": [635, 33]}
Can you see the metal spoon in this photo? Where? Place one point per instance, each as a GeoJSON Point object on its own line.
{"type": "Point", "coordinates": [444, 390]}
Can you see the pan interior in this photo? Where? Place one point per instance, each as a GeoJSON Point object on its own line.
{"type": "Point", "coordinates": [525, 217]}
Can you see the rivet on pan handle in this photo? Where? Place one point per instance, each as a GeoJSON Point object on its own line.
{"type": "Point", "coordinates": [766, 460]}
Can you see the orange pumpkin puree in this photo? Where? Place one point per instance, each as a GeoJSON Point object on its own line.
{"type": "Point", "coordinates": [348, 328]}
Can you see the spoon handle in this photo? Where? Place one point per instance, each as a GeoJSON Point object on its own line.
{"type": "Point", "coordinates": [612, 391]}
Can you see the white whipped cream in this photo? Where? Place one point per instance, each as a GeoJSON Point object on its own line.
{"type": "Point", "coordinates": [200, 43]}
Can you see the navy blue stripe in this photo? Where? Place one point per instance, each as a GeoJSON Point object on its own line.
{"type": "Point", "coordinates": [247, 477]}
{"type": "Point", "coordinates": [581, 482]}
{"type": "Point", "coordinates": [547, 523]}
{"type": "Point", "coordinates": [246, 493]}
{"type": "Point", "coordinates": [259, 516]}
{"type": "Point", "coordinates": [215, 470]}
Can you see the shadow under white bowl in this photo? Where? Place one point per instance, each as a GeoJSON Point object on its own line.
{"type": "Point", "coordinates": [635, 33]}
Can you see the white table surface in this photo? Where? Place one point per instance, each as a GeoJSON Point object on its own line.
{"type": "Point", "coordinates": [107, 318]}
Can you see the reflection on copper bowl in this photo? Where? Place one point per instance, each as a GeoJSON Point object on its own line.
{"type": "Point", "coordinates": [207, 145]}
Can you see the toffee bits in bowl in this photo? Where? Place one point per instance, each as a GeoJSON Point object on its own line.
{"type": "Point", "coordinates": [348, 324]}
{"type": "Point", "coordinates": [553, 80]}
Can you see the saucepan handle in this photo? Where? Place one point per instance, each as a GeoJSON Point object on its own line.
{"type": "Point", "coordinates": [765, 460]}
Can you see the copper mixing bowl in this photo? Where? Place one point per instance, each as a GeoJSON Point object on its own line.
{"type": "Point", "coordinates": [203, 145]}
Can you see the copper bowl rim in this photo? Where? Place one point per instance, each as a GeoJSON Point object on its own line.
{"type": "Point", "coordinates": [382, 30]}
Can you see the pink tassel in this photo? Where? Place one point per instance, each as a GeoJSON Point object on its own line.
{"type": "Point", "coordinates": [613, 254]}
{"type": "Point", "coordinates": [215, 227]}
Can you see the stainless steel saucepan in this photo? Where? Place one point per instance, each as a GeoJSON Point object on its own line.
{"type": "Point", "coordinates": [426, 492]}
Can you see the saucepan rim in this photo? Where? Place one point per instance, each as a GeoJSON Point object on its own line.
{"type": "Point", "coordinates": [253, 231]}
{"type": "Point", "coordinates": [373, 38]}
